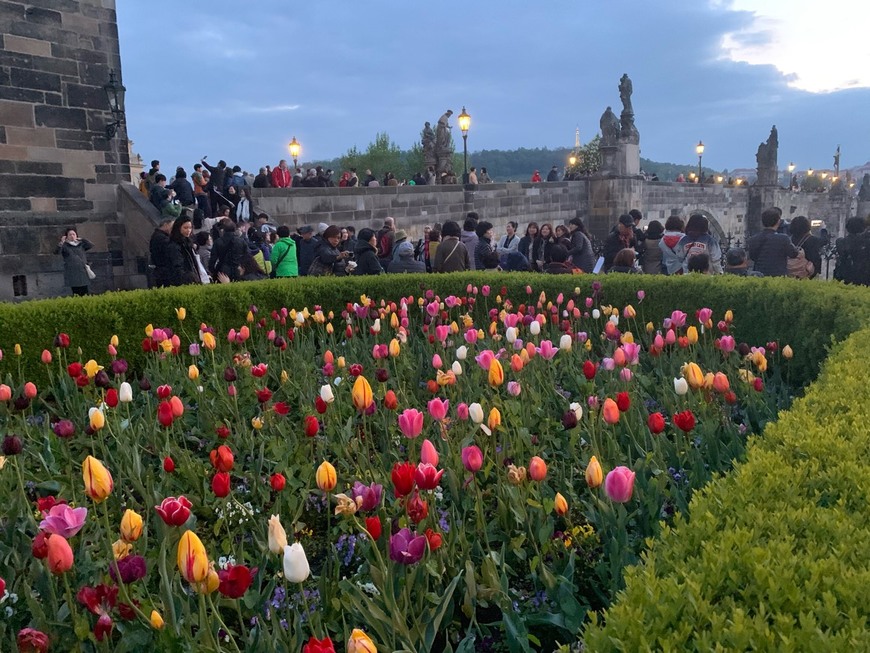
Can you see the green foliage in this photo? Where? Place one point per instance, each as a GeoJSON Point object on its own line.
{"type": "Point", "coordinates": [812, 184]}
{"type": "Point", "coordinates": [776, 555]}
{"type": "Point", "coordinates": [670, 171]}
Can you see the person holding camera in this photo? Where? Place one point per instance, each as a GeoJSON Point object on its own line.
{"type": "Point", "coordinates": [77, 273]}
{"type": "Point", "coordinates": [329, 260]}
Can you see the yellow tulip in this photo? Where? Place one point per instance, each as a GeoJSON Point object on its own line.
{"type": "Point", "coordinates": [341, 362]}
{"type": "Point", "coordinates": [192, 558]}
{"type": "Point", "coordinates": [149, 330]}
{"type": "Point", "coordinates": [131, 526]}
{"type": "Point", "coordinates": [284, 377]}
{"type": "Point", "coordinates": [480, 334]}
{"type": "Point", "coordinates": [97, 419]}
{"type": "Point", "coordinates": [394, 321]}
{"type": "Point", "coordinates": [2, 462]}
{"type": "Point", "coordinates": [650, 327]}
{"type": "Point", "coordinates": [208, 340]}
{"type": "Point", "coordinates": [394, 348]}
{"type": "Point", "coordinates": [359, 642]}
{"type": "Point", "coordinates": [362, 394]}
{"type": "Point", "coordinates": [121, 549]}
{"type": "Point", "coordinates": [17, 349]}
{"type": "Point", "coordinates": [181, 313]}
{"type": "Point", "coordinates": [692, 334]}
{"type": "Point", "coordinates": [454, 327]}
{"type": "Point", "coordinates": [627, 337]}
{"type": "Point", "coordinates": [166, 346]}
{"type": "Point", "coordinates": [210, 584]}
{"type": "Point", "coordinates": [496, 374]}
{"type": "Point", "coordinates": [693, 375]}
{"type": "Point", "coordinates": [629, 311]}
{"type": "Point", "coordinates": [746, 376]}
{"type": "Point", "coordinates": [250, 316]}
{"type": "Point", "coordinates": [594, 475]}
{"type": "Point", "coordinates": [330, 329]}
{"type": "Point", "coordinates": [729, 316]}
{"type": "Point", "coordinates": [708, 380]}
{"type": "Point", "coordinates": [787, 352]}
{"type": "Point", "coordinates": [326, 477]}
{"type": "Point", "coordinates": [494, 419]}
{"type": "Point", "coordinates": [114, 341]}
{"type": "Point", "coordinates": [98, 480]}
{"type": "Point", "coordinates": [156, 620]}
{"type": "Point", "coordinates": [588, 345]}
{"type": "Point", "coordinates": [516, 475]}
{"type": "Point", "coordinates": [92, 367]}
{"type": "Point", "coordinates": [560, 505]}
{"type": "Point", "coordinates": [257, 423]}
{"type": "Point", "coordinates": [193, 372]}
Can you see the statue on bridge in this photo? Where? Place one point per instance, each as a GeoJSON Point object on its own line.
{"type": "Point", "coordinates": [625, 90]}
{"type": "Point", "coordinates": [443, 144]}
{"type": "Point", "coordinates": [428, 143]}
{"type": "Point", "coordinates": [864, 191]}
{"type": "Point", "coordinates": [627, 132]}
{"type": "Point", "coordinates": [768, 173]}
{"type": "Point", "coordinates": [609, 128]}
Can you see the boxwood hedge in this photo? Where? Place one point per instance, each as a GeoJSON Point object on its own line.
{"type": "Point", "coordinates": [774, 556]}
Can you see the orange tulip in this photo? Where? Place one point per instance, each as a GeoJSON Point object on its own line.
{"type": "Point", "coordinates": [60, 555]}
{"type": "Point", "coordinates": [720, 383]}
{"type": "Point", "coordinates": [537, 469]}
{"type": "Point", "coordinates": [98, 480]}
{"type": "Point", "coordinates": [610, 411]}
{"type": "Point", "coordinates": [560, 505]}
{"type": "Point", "coordinates": [362, 394]}
{"type": "Point", "coordinates": [516, 363]}
{"type": "Point", "coordinates": [494, 419]}
{"type": "Point", "coordinates": [131, 526]}
{"type": "Point", "coordinates": [694, 376]}
{"type": "Point", "coordinates": [496, 374]}
{"type": "Point", "coordinates": [359, 642]}
{"type": "Point", "coordinates": [326, 477]}
{"type": "Point", "coordinates": [594, 475]}
{"type": "Point", "coordinates": [192, 558]}
{"type": "Point", "coordinates": [177, 406]}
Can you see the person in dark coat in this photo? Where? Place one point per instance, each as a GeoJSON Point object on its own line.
{"type": "Point", "coordinates": [624, 262]}
{"type": "Point", "coordinates": [580, 251]}
{"type": "Point", "coordinates": [306, 246]}
{"type": "Point", "coordinates": [262, 180]}
{"type": "Point", "coordinates": [183, 189]}
{"type": "Point", "coordinates": [227, 252]}
{"type": "Point", "coordinates": [160, 195]}
{"type": "Point", "coordinates": [853, 254]}
{"type": "Point", "coordinates": [161, 258]}
{"type": "Point", "coordinates": [404, 261]}
{"type": "Point", "coordinates": [558, 261]}
{"type": "Point", "coordinates": [770, 250]}
{"type": "Point", "coordinates": [619, 239]}
{"type": "Point", "coordinates": [183, 269]}
{"type": "Point", "coordinates": [801, 236]}
{"type": "Point", "coordinates": [531, 246]}
{"type": "Point", "coordinates": [328, 258]}
{"type": "Point", "coordinates": [75, 272]}
{"type": "Point", "coordinates": [483, 248]}
{"type": "Point", "coordinates": [366, 253]}
{"type": "Point", "coordinates": [452, 254]}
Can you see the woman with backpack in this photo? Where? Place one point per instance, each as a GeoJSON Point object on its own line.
{"type": "Point", "coordinates": [668, 244]}
{"type": "Point", "coordinates": [699, 241]}
{"type": "Point", "coordinates": [803, 239]}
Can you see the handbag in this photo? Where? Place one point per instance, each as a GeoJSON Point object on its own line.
{"type": "Point", "coordinates": [273, 273]}
{"type": "Point", "coordinates": [799, 267]}
{"type": "Point", "coordinates": [91, 274]}
{"type": "Point", "coordinates": [319, 269]}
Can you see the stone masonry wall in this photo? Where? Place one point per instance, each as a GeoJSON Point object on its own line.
{"type": "Point", "coordinates": [57, 168]}
{"type": "Point", "coordinates": [414, 207]}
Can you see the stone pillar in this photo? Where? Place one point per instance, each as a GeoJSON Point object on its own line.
{"type": "Point", "coordinates": [610, 197]}
{"type": "Point", "coordinates": [58, 168]}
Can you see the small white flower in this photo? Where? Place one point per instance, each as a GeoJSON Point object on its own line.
{"type": "Point", "coordinates": [565, 342]}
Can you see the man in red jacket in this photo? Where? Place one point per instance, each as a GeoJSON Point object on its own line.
{"type": "Point", "coordinates": [281, 177]}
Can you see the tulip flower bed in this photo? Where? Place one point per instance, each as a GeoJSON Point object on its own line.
{"type": "Point", "coordinates": [457, 473]}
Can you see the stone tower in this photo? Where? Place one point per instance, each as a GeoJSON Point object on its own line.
{"type": "Point", "coordinates": [57, 166]}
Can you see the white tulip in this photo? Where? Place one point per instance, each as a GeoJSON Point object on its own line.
{"type": "Point", "coordinates": [577, 408]}
{"type": "Point", "coordinates": [475, 411]}
{"type": "Point", "coordinates": [510, 334]}
{"type": "Point", "coordinates": [296, 568]}
{"type": "Point", "coordinates": [461, 352]}
{"type": "Point", "coordinates": [565, 342]}
{"type": "Point", "coordinates": [125, 393]}
{"type": "Point", "coordinates": [535, 328]}
{"type": "Point", "coordinates": [614, 319]}
{"type": "Point", "coordinates": [326, 393]}
{"type": "Point", "coordinates": [457, 368]}
{"type": "Point", "coordinates": [596, 313]}
{"type": "Point", "coordinates": [376, 327]}
{"type": "Point", "coordinates": [681, 386]}
{"type": "Point", "coordinates": [300, 319]}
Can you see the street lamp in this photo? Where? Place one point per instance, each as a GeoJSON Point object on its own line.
{"type": "Point", "coordinates": [699, 148]}
{"type": "Point", "coordinates": [719, 179]}
{"type": "Point", "coordinates": [295, 148]}
{"type": "Point", "coordinates": [115, 94]}
{"type": "Point", "coordinates": [790, 177]}
{"type": "Point", "coordinates": [572, 160]}
{"type": "Point", "coordinates": [464, 124]}
{"type": "Point", "coordinates": [810, 172]}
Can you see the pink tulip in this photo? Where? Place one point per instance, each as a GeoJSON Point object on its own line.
{"type": "Point", "coordinates": [514, 388]}
{"type": "Point", "coordinates": [485, 290]}
{"type": "Point", "coordinates": [462, 411]}
{"type": "Point", "coordinates": [678, 319]}
{"type": "Point", "coordinates": [436, 362]}
{"type": "Point", "coordinates": [511, 319]}
{"type": "Point", "coordinates": [64, 521]}
{"type": "Point", "coordinates": [411, 422]}
{"type": "Point", "coordinates": [427, 476]}
{"type": "Point", "coordinates": [632, 352]}
{"type": "Point", "coordinates": [727, 344]}
{"type": "Point", "coordinates": [432, 308]}
{"type": "Point", "coordinates": [485, 358]}
{"type": "Point", "coordinates": [608, 364]}
{"type": "Point", "coordinates": [441, 332]}
{"type": "Point", "coordinates": [625, 374]}
{"type": "Point", "coordinates": [438, 408]}
{"type": "Point", "coordinates": [658, 341]}
{"type": "Point", "coordinates": [670, 337]}
{"type": "Point", "coordinates": [428, 453]}
{"type": "Point", "coordinates": [705, 314]}
{"type": "Point", "coordinates": [547, 350]}
{"type": "Point", "coordinates": [451, 301]}
{"type": "Point", "coordinates": [472, 458]}
{"type": "Point", "coordinates": [471, 336]}
{"type": "Point", "coordinates": [619, 484]}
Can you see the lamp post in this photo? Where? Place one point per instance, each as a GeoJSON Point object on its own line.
{"type": "Point", "coordinates": [790, 178]}
{"type": "Point", "coordinates": [699, 148]}
{"type": "Point", "coordinates": [115, 91]}
{"type": "Point", "coordinates": [464, 123]}
{"type": "Point", "coordinates": [295, 148]}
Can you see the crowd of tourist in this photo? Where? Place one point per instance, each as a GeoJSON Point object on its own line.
{"type": "Point", "coordinates": [211, 232]}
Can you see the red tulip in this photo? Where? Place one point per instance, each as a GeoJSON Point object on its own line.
{"type": "Point", "coordinates": [74, 370]}
{"type": "Point", "coordinates": [2, 587]}
{"type": "Point", "coordinates": [168, 465]}
{"type": "Point", "coordinates": [222, 458]}
{"type": "Point", "coordinates": [32, 641]}
{"type": "Point", "coordinates": [174, 512]}
{"type": "Point", "coordinates": [390, 400]}
{"type": "Point", "coordinates": [259, 370]}
{"type": "Point", "coordinates": [111, 398]}
{"type": "Point", "coordinates": [39, 548]}
{"type": "Point", "coordinates": [235, 580]}
{"type": "Point", "coordinates": [435, 540]}
{"type": "Point", "coordinates": [220, 484]}
{"type": "Point", "coordinates": [589, 369]}
{"type": "Point", "coordinates": [281, 408]}
{"type": "Point", "coordinates": [164, 414]}
{"type": "Point", "coordinates": [264, 395]}
{"type": "Point", "coordinates": [417, 508]}
{"type": "Point", "coordinates": [61, 340]}
{"type": "Point", "coordinates": [403, 478]}
{"type": "Point", "coordinates": [60, 555]}
{"type": "Point", "coordinates": [222, 431]}
{"type": "Point", "coordinates": [103, 627]}
{"type": "Point", "coordinates": [427, 476]}
{"type": "Point", "coordinates": [319, 645]}
{"type": "Point", "coordinates": [312, 426]}
{"type": "Point", "coordinates": [537, 469]}
{"type": "Point", "coordinates": [374, 528]}
{"type": "Point", "coordinates": [164, 391]}
{"type": "Point", "coordinates": [656, 423]}
{"type": "Point", "coordinates": [277, 481]}
{"type": "Point", "coordinates": [685, 420]}
{"type": "Point", "coordinates": [319, 405]}
{"type": "Point", "coordinates": [623, 402]}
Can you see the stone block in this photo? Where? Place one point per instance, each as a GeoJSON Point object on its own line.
{"type": "Point", "coordinates": [7, 204]}
{"type": "Point", "coordinates": [38, 168]}
{"type": "Point", "coordinates": [43, 16]}
{"type": "Point", "coordinates": [22, 240]}
{"type": "Point", "coordinates": [60, 117]}
{"type": "Point", "coordinates": [81, 24]}
{"type": "Point", "coordinates": [43, 204]}
{"type": "Point", "coordinates": [16, 114]}
{"type": "Point", "coordinates": [89, 97]}
{"type": "Point", "coordinates": [74, 205]}
{"type": "Point", "coordinates": [25, 45]}
{"type": "Point", "coordinates": [40, 186]}
{"type": "Point", "coordinates": [13, 152]}
{"type": "Point", "coordinates": [40, 136]}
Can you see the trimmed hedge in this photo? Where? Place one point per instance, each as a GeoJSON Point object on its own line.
{"type": "Point", "coordinates": [809, 316]}
{"type": "Point", "coordinates": [776, 555]}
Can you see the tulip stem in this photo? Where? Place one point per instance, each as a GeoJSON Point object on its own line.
{"type": "Point", "coordinates": [220, 621]}
{"type": "Point", "coordinates": [204, 622]}
{"type": "Point", "coordinates": [69, 599]}
{"type": "Point", "coordinates": [20, 475]}
{"type": "Point", "coordinates": [167, 587]}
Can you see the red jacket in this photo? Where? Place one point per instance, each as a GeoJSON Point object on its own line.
{"type": "Point", "coordinates": [281, 178]}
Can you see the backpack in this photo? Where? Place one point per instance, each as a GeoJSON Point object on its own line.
{"type": "Point", "coordinates": [799, 267]}
{"type": "Point", "coordinates": [384, 244]}
{"type": "Point", "coordinates": [695, 248]}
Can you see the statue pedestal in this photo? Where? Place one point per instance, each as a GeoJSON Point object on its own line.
{"type": "Point", "coordinates": [609, 157]}
{"type": "Point", "coordinates": [628, 159]}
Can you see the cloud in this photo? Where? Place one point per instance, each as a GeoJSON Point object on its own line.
{"type": "Point", "coordinates": [277, 108]}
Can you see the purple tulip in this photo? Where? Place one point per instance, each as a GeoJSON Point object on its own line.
{"type": "Point", "coordinates": [64, 521]}
{"type": "Point", "coordinates": [131, 568]}
{"type": "Point", "coordinates": [64, 428]}
{"type": "Point", "coordinates": [407, 548]}
{"type": "Point", "coordinates": [119, 366]}
{"type": "Point", "coordinates": [371, 495]}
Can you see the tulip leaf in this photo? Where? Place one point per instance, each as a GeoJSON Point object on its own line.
{"type": "Point", "coordinates": [435, 618]}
